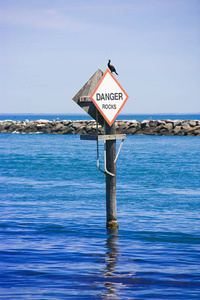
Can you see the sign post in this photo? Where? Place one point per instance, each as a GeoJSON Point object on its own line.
{"type": "Point", "coordinates": [108, 97]}
{"type": "Point", "coordinates": [111, 204]}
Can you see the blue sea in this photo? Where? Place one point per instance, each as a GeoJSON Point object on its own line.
{"type": "Point", "coordinates": [75, 117]}
{"type": "Point", "coordinates": [53, 239]}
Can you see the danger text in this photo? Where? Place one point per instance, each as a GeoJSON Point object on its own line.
{"type": "Point", "coordinates": [109, 96]}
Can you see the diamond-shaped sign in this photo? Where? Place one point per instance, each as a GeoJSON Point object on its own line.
{"type": "Point", "coordinates": [109, 97]}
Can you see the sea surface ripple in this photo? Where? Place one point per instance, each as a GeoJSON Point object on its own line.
{"type": "Point", "coordinates": [53, 240]}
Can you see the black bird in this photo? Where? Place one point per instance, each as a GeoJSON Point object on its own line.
{"type": "Point", "coordinates": [112, 68]}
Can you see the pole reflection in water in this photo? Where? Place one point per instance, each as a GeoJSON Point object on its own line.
{"type": "Point", "coordinates": [112, 282]}
{"type": "Point", "coordinates": [111, 254]}
{"type": "Point", "coordinates": [111, 262]}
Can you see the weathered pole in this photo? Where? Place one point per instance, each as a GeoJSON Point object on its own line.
{"type": "Point", "coordinates": [111, 206]}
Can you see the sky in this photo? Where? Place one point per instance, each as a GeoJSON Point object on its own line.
{"type": "Point", "coordinates": [50, 48]}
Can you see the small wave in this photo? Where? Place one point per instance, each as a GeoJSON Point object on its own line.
{"type": "Point", "coordinates": [186, 191]}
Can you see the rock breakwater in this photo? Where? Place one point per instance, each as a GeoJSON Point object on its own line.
{"type": "Point", "coordinates": [148, 127]}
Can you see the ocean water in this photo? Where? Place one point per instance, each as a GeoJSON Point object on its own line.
{"type": "Point", "coordinates": [84, 116]}
{"type": "Point", "coordinates": [53, 240]}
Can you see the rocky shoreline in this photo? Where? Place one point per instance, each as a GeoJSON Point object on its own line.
{"type": "Point", "coordinates": [147, 127]}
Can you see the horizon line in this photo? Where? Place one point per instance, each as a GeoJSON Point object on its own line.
{"type": "Point", "coordinates": [128, 114]}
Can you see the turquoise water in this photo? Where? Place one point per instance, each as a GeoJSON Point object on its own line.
{"type": "Point", "coordinates": [53, 240]}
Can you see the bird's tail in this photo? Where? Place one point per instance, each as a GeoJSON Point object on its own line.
{"type": "Point", "coordinates": [116, 73]}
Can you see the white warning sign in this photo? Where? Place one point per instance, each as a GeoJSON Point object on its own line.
{"type": "Point", "coordinates": [109, 97]}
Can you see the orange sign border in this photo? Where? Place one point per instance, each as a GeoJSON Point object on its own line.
{"type": "Point", "coordinates": [91, 97]}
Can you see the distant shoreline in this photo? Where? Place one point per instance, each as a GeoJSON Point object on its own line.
{"type": "Point", "coordinates": [130, 127]}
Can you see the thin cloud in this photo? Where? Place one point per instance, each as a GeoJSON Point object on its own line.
{"type": "Point", "coordinates": [41, 19]}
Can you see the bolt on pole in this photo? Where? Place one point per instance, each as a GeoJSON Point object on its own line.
{"type": "Point", "coordinates": [111, 206]}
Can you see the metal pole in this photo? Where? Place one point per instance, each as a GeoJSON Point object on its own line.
{"type": "Point", "coordinates": [111, 207]}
